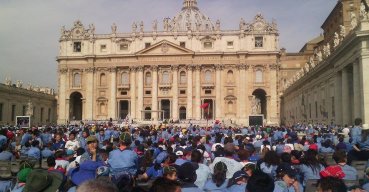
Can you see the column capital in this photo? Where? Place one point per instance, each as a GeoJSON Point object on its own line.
{"type": "Point", "coordinates": [175, 67]}
{"type": "Point", "coordinates": [63, 70]}
{"type": "Point", "coordinates": [242, 67]}
{"type": "Point", "coordinates": [219, 67]}
{"type": "Point", "coordinates": [274, 66]}
{"type": "Point", "coordinates": [113, 69]}
{"type": "Point", "coordinates": [140, 68]}
{"type": "Point", "coordinates": [190, 67]}
{"type": "Point", "coordinates": [132, 68]}
{"type": "Point", "coordinates": [90, 69]}
{"type": "Point", "coordinates": [197, 67]}
{"type": "Point", "coordinates": [154, 68]}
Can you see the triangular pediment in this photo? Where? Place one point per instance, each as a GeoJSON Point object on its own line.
{"type": "Point", "coordinates": [165, 48]}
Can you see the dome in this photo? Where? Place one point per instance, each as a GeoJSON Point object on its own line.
{"type": "Point", "coordinates": [190, 17]}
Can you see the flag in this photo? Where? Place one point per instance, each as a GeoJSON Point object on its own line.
{"type": "Point", "coordinates": [204, 106]}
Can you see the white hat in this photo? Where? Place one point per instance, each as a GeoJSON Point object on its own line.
{"type": "Point", "coordinates": [365, 126]}
{"type": "Point", "coordinates": [179, 153]}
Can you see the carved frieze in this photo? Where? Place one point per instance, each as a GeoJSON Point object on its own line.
{"type": "Point", "coordinates": [273, 66]}
{"type": "Point", "coordinates": [63, 70]}
{"type": "Point", "coordinates": [219, 67]}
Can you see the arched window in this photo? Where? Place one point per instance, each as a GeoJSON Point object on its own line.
{"type": "Point", "coordinates": [182, 77]}
{"type": "Point", "coordinates": [230, 76]}
{"type": "Point", "coordinates": [208, 78]}
{"type": "Point", "coordinates": [230, 106]}
{"type": "Point", "coordinates": [125, 78]}
{"type": "Point", "coordinates": [258, 76]}
{"type": "Point", "coordinates": [102, 79]}
{"type": "Point", "coordinates": [165, 79]}
{"type": "Point", "coordinates": [77, 80]}
{"type": "Point", "coordinates": [148, 78]}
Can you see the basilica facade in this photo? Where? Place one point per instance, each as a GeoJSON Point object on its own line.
{"type": "Point", "coordinates": [171, 72]}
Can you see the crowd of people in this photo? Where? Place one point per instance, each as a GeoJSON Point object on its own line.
{"type": "Point", "coordinates": [168, 158]}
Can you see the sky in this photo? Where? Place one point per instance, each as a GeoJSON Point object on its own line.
{"type": "Point", "coordinates": [30, 30]}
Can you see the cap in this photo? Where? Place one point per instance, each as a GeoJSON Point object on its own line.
{"type": "Point", "coordinates": [22, 175]}
{"type": "Point", "coordinates": [179, 153]}
{"type": "Point", "coordinates": [333, 171]}
{"type": "Point", "coordinates": [239, 174]}
{"type": "Point", "coordinates": [125, 137]}
{"type": "Point", "coordinates": [287, 169]}
{"type": "Point", "coordinates": [91, 138]}
{"type": "Point", "coordinates": [313, 147]}
{"type": "Point", "coordinates": [102, 171]}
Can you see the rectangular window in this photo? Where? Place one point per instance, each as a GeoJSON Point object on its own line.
{"type": "Point", "coordinates": [102, 48]}
{"type": "Point", "coordinates": [41, 114]}
{"type": "Point", "coordinates": [123, 93]}
{"type": "Point", "coordinates": [259, 42]}
{"type": "Point", "coordinates": [148, 92]}
{"type": "Point", "coordinates": [1, 111]}
{"type": "Point", "coordinates": [147, 45]}
{"type": "Point", "coordinates": [208, 45]}
{"type": "Point", "coordinates": [182, 44]}
{"type": "Point", "coordinates": [123, 47]}
{"type": "Point", "coordinates": [230, 44]}
{"type": "Point", "coordinates": [13, 112]}
{"type": "Point", "coordinates": [207, 92]}
{"type": "Point", "coordinates": [310, 110]}
{"type": "Point", "coordinates": [24, 110]}
{"type": "Point", "coordinates": [182, 92]}
{"type": "Point", "coordinates": [77, 47]}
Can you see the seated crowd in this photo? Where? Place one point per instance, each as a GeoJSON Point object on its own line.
{"type": "Point", "coordinates": [105, 157]}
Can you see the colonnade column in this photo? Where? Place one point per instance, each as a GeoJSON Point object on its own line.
{"type": "Point", "coordinates": [154, 99]}
{"type": "Point", "coordinates": [90, 84]}
{"type": "Point", "coordinates": [364, 80]}
{"type": "Point", "coordinates": [338, 98]}
{"type": "Point", "coordinates": [357, 90]}
{"type": "Point", "coordinates": [346, 113]}
{"type": "Point", "coordinates": [198, 92]}
{"type": "Point", "coordinates": [140, 91]}
{"type": "Point", "coordinates": [132, 88]}
{"type": "Point", "coordinates": [175, 93]}
{"type": "Point", "coordinates": [62, 97]}
{"type": "Point", "coordinates": [218, 91]}
{"type": "Point", "coordinates": [189, 92]}
{"type": "Point", "coordinates": [113, 93]}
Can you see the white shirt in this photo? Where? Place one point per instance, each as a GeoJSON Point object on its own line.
{"type": "Point", "coordinates": [72, 145]}
{"type": "Point", "coordinates": [232, 165]}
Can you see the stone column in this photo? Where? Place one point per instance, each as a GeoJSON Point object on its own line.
{"type": "Point", "coordinates": [90, 85]}
{"type": "Point", "coordinates": [364, 80]}
{"type": "Point", "coordinates": [218, 91]}
{"type": "Point", "coordinates": [132, 88]}
{"type": "Point", "coordinates": [175, 93]}
{"type": "Point", "coordinates": [113, 94]}
{"type": "Point", "coordinates": [338, 98]}
{"type": "Point", "coordinates": [273, 109]}
{"type": "Point", "coordinates": [154, 99]}
{"type": "Point", "coordinates": [242, 92]}
{"type": "Point", "coordinates": [62, 98]}
{"type": "Point", "coordinates": [346, 113]}
{"type": "Point", "coordinates": [198, 92]}
{"type": "Point", "coordinates": [357, 90]}
{"type": "Point", "coordinates": [189, 92]}
{"type": "Point", "coordinates": [140, 90]}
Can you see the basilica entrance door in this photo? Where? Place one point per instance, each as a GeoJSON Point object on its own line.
{"type": "Point", "coordinates": [75, 103]}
